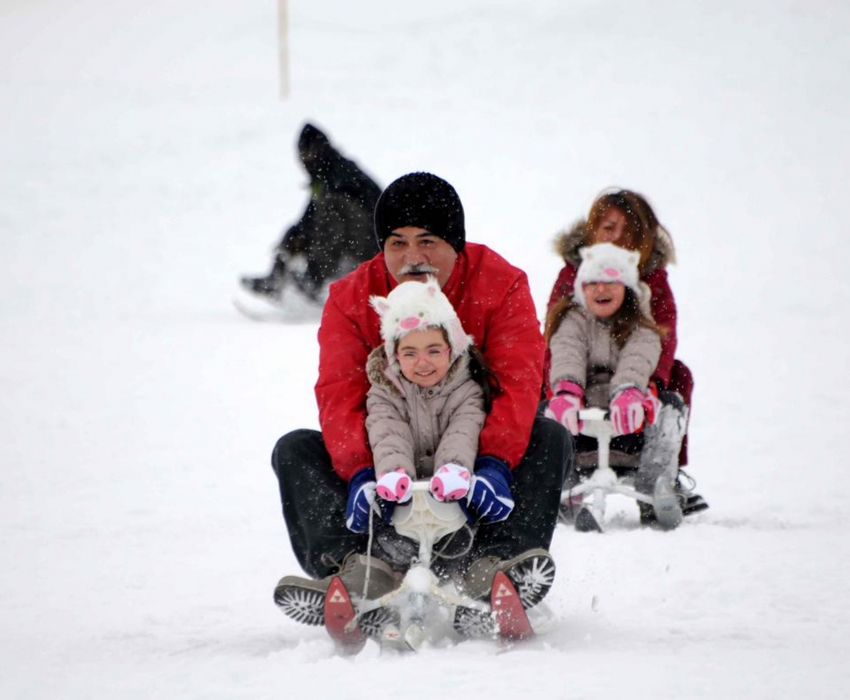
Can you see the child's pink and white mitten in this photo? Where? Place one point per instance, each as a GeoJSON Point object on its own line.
{"type": "Point", "coordinates": [450, 482]}
{"type": "Point", "coordinates": [394, 486]}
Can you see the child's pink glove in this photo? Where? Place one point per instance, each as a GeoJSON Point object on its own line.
{"type": "Point", "coordinates": [450, 482]}
{"type": "Point", "coordinates": [651, 404]}
{"type": "Point", "coordinates": [394, 486]}
{"type": "Point", "coordinates": [564, 407]}
{"type": "Point", "coordinates": [627, 410]}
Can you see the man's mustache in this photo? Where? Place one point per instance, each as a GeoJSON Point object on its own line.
{"type": "Point", "coordinates": [417, 270]}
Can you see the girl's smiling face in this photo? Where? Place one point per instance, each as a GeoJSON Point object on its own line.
{"type": "Point", "coordinates": [604, 299]}
{"type": "Point", "coordinates": [424, 356]}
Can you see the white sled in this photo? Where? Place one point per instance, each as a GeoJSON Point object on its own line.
{"type": "Point", "coordinates": [424, 603]}
{"type": "Point", "coordinates": [604, 481]}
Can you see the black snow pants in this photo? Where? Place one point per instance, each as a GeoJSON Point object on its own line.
{"type": "Point", "coordinates": [313, 498]}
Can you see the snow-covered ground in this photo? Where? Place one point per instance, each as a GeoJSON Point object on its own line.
{"type": "Point", "coordinates": [147, 161]}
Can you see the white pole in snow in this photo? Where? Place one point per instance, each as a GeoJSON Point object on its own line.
{"type": "Point", "coordinates": [283, 48]}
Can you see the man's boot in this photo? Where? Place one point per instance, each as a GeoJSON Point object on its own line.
{"type": "Point", "coordinates": [303, 599]}
{"type": "Point", "coordinates": [532, 574]}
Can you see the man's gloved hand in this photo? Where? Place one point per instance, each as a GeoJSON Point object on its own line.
{"type": "Point", "coordinates": [565, 405]}
{"type": "Point", "coordinates": [361, 499]}
{"type": "Point", "coordinates": [627, 410]}
{"type": "Point", "coordinates": [450, 482]}
{"type": "Point", "coordinates": [490, 499]}
{"type": "Point", "coordinates": [394, 486]}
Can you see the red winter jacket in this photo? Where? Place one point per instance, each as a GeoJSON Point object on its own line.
{"type": "Point", "coordinates": [493, 301]}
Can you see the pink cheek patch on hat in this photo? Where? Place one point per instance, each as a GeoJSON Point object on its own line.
{"type": "Point", "coordinates": [409, 323]}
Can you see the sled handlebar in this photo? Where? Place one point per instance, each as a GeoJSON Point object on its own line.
{"type": "Point", "coordinates": [594, 414]}
{"type": "Point", "coordinates": [596, 423]}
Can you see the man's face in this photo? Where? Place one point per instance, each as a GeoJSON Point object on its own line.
{"type": "Point", "coordinates": [413, 253]}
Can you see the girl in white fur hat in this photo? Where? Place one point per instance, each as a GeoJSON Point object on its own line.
{"type": "Point", "coordinates": [605, 346]}
{"type": "Point", "coordinates": [429, 396]}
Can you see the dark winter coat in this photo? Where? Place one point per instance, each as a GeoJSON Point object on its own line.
{"type": "Point", "coordinates": [493, 301]}
{"type": "Point", "coordinates": [654, 274]}
{"type": "Point", "coordinates": [335, 231]}
{"type": "Point", "coordinates": [417, 428]}
{"type": "Point", "coordinates": [584, 352]}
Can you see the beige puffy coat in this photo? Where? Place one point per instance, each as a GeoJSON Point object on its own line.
{"type": "Point", "coordinates": [584, 352]}
{"type": "Point", "coordinates": [417, 428]}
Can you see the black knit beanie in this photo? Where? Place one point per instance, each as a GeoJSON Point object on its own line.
{"type": "Point", "coordinates": [425, 201]}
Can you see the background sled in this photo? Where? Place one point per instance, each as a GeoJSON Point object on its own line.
{"type": "Point", "coordinates": [291, 308]}
{"type": "Point", "coordinates": [593, 491]}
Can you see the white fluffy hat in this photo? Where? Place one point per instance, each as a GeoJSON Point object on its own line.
{"type": "Point", "coordinates": [414, 306]}
{"type": "Point", "coordinates": [606, 262]}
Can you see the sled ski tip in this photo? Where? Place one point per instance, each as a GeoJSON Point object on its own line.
{"type": "Point", "coordinates": [340, 618]}
{"type": "Point", "coordinates": [511, 618]}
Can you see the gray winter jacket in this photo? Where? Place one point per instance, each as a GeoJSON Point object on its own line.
{"type": "Point", "coordinates": [417, 428]}
{"type": "Point", "coordinates": [584, 352]}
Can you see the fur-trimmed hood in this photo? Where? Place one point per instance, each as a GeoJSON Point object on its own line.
{"type": "Point", "coordinates": [381, 373]}
{"type": "Point", "coordinates": [569, 241]}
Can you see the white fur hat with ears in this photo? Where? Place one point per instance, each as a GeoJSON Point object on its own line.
{"type": "Point", "coordinates": [606, 262]}
{"type": "Point", "coordinates": [414, 306]}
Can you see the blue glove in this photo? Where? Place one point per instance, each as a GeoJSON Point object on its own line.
{"type": "Point", "coordinates": [490, 499]}
{"type": "Point", "coordinates": [361, 499]}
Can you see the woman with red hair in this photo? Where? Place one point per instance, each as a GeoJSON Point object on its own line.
{"type": "Point", "coordinates": [626, 219]}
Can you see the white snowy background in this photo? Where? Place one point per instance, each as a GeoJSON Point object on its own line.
{"type": "Point", "coordinates": [148, 161]}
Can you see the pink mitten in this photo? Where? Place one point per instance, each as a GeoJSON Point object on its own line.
{"type": "Point", "coordinates": [394, 486]}
{"type": "Point", "coordinates": [626, 409]}
{"type": "Point", "coordinates": [564, 407]}
{"type": "Point", "coordinates": [450, 482]}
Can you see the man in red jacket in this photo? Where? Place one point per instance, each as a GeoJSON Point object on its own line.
{"type": "Point", "coordinates": [327, 481]}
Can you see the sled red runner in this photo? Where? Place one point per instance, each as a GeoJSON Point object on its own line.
{"type": "Point", "coordinates": [505, 602]}
{"type": "Point", "coordinates": [339, 618]}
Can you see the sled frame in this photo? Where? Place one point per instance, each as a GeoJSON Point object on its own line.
{"type": "Point", "coordinates": [421, 594]}
{"type": "Point", "coordinates": [604, 480]}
